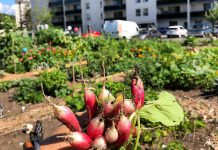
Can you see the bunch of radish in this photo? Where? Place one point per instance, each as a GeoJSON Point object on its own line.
{"type": "Point", "coordinates": [109, 124]}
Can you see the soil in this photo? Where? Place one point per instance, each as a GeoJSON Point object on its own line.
{"type": "Point", "coordinates": [12, 137]}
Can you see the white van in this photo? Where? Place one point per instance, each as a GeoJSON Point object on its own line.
{"type": "Point", "coordinates": [121, 29]}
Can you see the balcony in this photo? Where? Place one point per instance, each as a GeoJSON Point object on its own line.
{"type": "Point", "coordinates": [59, 13]}
{"type": "Point", "coordinates": [55, 3]}
{"type": "Point", "coordinates": [76, 11]}
{"type": "Point", "coordinates": [60, 2]}
{"type": "Point", "coordinates": [116, 18]}
{"type": "Point", "coordinates": [71, 1]}
{"type": "Point", "coordinates": [171, 15]}
{"type": "Point", "coordinates": [74, 22]}
{"type": "Point", "coordinates": [167, 2]}
{"type": "Point", "coordinates": [58, 24]}
{"type": "Point", "coordinates": [115, 7]}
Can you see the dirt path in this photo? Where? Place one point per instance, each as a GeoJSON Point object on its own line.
{"type": "Point", "coordinates": [17, 122]}
{"type": "Point", "coordinates": [11, 77]}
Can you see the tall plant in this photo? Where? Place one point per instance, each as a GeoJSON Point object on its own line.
{"type": "Point", "coordinates": [212, 15]}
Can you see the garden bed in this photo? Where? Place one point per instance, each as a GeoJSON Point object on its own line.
{"type": "Point", "coordinates": [190, 100]}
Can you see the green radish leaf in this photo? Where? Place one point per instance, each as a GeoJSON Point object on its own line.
{"type": "Point", "coordinates": [165, 110]}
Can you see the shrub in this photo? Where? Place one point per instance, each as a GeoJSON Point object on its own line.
{"type": "Point", "coordinates": [191, 41]}
{"type": "Point", "coordinates": [55, 83]}
{"type": "Point", "coordinates": [28, 91]}
{"type": "Point", "coordinates": [54, 36]}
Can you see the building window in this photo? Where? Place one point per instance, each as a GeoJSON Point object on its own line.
{"type": "Point", "coordinates": [88, 17]}
{"type": "Point", "coordinates": [77, 7]}
{"type": "Point", "coordinates": [174, 9]}
{"type": "Point", "coordinates": [101, 15]}
{"type": "Point", "coordinates": [87, 5]}
{"type": "Point", "coordinates": [207, 6]}
{"type": "Point", "coordinates": [138, 1]}
{"type": "Point", "coordinates": [117, 2]}
{"type": "Point", "coordinates": [77, 18]}
{"type": "Point", "coordinates": [145, 12]}
{"type": "Point", "coordinates": [138, 12]}
{"type": "Point", "coordinates": [118, 15]}
{"type": "Point", "coordinates": [173, 23]}
{"type": "Point", "coordinates": [185, 25]}
{"type": "Point", "coordinates": [101, 4]}
{"type": "Point", "coordinates": [145, 0]}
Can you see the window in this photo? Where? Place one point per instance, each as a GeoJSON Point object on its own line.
{"type": "Point", "coordinates": [185, 24]}
{"type": "Point", "coordinates": [145, 0]}
{"type": "Point", "coordinates": [118, 14]}
{"type": "Point", "coordinates": [77, 18]}
{"type": "Point", "coordinates": [145, 12]}
{"type": "Point", "coordinates": [101, 4]}
{"type": "Point", "coordinates": [138, 12]}
{"type": "Point", "coordinates": [173, 23]}
{"type": "Point", "coordinates": [117, 2]}
{"type": "Point", "coordinates": [174, 9]}
{"type": "Point", "coordinates": [77, 7]}
{"type": "Point", "coordinates": [207, 6]}
{"type": "Point", "coordinates": [101, 15]}
{"type": "Point", "coordinates": [138, 1]}
{"type": "Point", "coordinates": [88, 17]}
{"type": "Point", "coordinates": [87, 6]}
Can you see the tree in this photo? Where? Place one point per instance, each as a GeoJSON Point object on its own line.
{"type": "Point", "coordinates": [212, 15]}
{"type": "Point", "coordinates": [7, 22]}
{"type": "Point", "coordinates": [40, 16]}
{"type": "Point", "coordinates": [35, 16]}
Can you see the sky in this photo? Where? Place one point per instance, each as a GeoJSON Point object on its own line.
{"type": "Point", "coordinates": [7, 6]}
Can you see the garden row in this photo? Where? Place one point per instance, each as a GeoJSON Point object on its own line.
{"type": "Point", "coordinates": [162, 64]}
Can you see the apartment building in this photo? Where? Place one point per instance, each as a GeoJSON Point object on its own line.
{"type": "Point", "coordinates": [143, 12]}
{"type": "Point", "coordinates": [70, 14]}
{"type": "Point", "coordinates": [171, 12]}
{"type": "Point", "coordinates": [95, 12]}
{"type": "Point", "coordinates": [21, 6]}
{"type": "Point", "coordinates": [92, 14]}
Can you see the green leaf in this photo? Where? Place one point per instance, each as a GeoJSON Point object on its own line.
{"type": "Point", "coordinates": [165, 110]}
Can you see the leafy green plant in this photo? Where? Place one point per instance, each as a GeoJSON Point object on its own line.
{"type": "Point", "coordinates": [76, 102]}
{"type": "Point", "coordinates": [191, 41]}
{"type": "Point", "coordinates": [28, 91]}
{"type": "Point", "coordinates": [54, 83]}
{"type": "Point", "coordinates": [115, 88]}
{"type": "Point", "coordinates": [175, 145]}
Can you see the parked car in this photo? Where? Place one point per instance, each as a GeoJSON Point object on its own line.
{"type": "Point", "coordinates": [215, 30]}
{"type": "Point", "coordinates": [121, 29]}
{"type": "Point", "coordinates": [201, 30]}
{"type": "Point", "coordinates": [176, 31]}
{"type": "Point", "coordinates": [151, 33]}
{"type": "Point", "coordinates": [162, 30]}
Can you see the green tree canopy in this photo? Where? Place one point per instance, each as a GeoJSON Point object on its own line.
{"type": "Point", "coordinates": [7, 22]}
{"type": "Point", "coordinates": [212, 14]}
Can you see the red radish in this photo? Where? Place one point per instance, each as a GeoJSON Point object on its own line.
{"type": "Point", "coordinates": [65, 115]}
{"type": "Point", "coordinates": [100, 143]}
{"type": "Point", "coordinates": [95, 127]}
{"type": "Point", "coordinates": [78, 140]}
{"type": "Point", "coordinates": [124, 130]}
{"type": "Point", "coordinates": [111, 134]}
{"type": "Point", "coordinates": [117, 105]}
{"type": "Point", "coordinates": [107, 109]}
{"type": "Point", "coordinates": [134, 132]}
{"type": "Point", "coordinates": [91, 103]}
{"type": "Point", "coordinates": [128, 107]}
{"type": "Point", "coordinates": [105, 95]}
{"type": "Point", "coordinates": [137, 89]}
